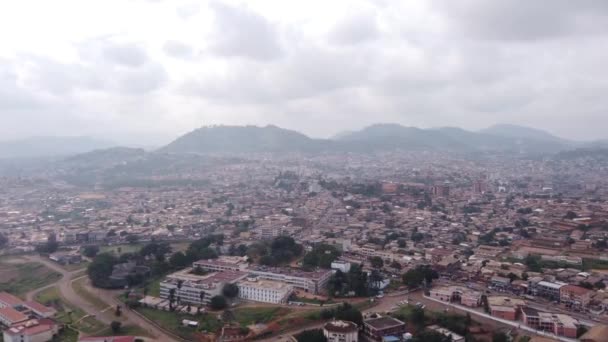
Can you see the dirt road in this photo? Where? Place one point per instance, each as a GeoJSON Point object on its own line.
{"type": "Point", "coordinates": [105, 316]}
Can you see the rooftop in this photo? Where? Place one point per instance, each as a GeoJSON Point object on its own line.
{"type": "Point", "coordinates": [383, 323]}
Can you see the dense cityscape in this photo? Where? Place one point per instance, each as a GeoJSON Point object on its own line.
{"type": "Point", "coordinates": [384, 246]}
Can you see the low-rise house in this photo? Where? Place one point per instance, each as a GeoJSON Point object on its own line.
{"type": "Point", "coordinates": [341, 331]}
{"type": "Point", "coordinates": [32, 331]}
{"type": "Point", "coordinates": [377, 329]}
{"type": "Point", "coordinates": [505, 307]}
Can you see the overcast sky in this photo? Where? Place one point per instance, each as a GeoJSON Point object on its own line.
{"type": "Point", "coordinates": [146, 71]}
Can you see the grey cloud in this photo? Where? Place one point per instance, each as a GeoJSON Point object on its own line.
{"type": "Point", "coordinates": [519, 20]}
{"type": "Point", "coordinates": [188, 11]}
{"type": "Point", "coordinates": [355, 29]}
{"type": "Point", "coordinates": [178, 49]}
{"type": "Point", "coordinates": [311, 71]}
{"type": "Point", "coordinates": [239, 32]}
{"type": "Point", "coordinates": [129, 55]}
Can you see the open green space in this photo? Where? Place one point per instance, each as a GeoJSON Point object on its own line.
{"type": "Point", "coordinates": [79, 288]}
{"type": "Point", "coordinates": [126, 330]}
{"type": "Point", "coordinates": [18, 277]}
{"type": "Point", "coordinates": [73, 267]}
{"type": "Point", "coordinates": [248, 316]}
{"type": "Point", "coordinates": [172, 322]}
{"type": "Point", "coordinates": [71, 316]}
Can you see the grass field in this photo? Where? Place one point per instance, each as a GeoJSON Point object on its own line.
{"type": "Point", "coordinates": [19, 277]}
{"type": "Point", "coordinates": [171, 321]}
{"type": "Point", "coordinates": [67, 314]}
{"type": "Point", "coordinates": [128, 330]}
{"type": "Point", "coordinates": [133, 248]}
{"type": "Point", "coordinates": [248, 316]}
{"type": "Point", "coordinates": [74, 267]}
{"type": "Point", "coordinates": [78, 286]}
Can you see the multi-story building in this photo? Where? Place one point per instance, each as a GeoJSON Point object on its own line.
{"type": "Point", "coordinates": [343, 266]}
{"type": "Point", "coordinates": [547, 289]}
{"type": "Point", "coordinates": [575, 296]}
{"type": "Point", "coordinates": [505, 307]}
{"type": "Point", "coordinates": [313, 282]}
{"type": "Point", "coordinates": [464, 296]}
{"type": "Point", "coordinates": [196, 289]}
{"type": "Point", "coordinates": [341, 331]}
{"type": "Point", "coordinates": [32, 331]}
{"type": "Point", "coordinates": [266, 291]}
{"type": "Point", "coordinates": [223, 263]}
{"type": "Point", "coordinates": [376, 329]}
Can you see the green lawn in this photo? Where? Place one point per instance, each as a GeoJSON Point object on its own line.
{"type": "Point", "coordinates": [79, 288]}
{"type": "Point", "coordinates": [68, 314]}
{"type": "Point", "coordinates": [73, 267]}
{"type": "Point", "coordinates": [67, 335]}
{"type": "Point", "coordinates": [20, 278]}
{"type": "Point", "coordinates": [248, 316]}
{"type": "Point", "coordinates": [128, 330]}
{"type": "Point", "coordinates": [121, 249]}
{"type": "Point", "coordinates": [171, 321]}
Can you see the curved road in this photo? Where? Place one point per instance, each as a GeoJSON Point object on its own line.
{"type": "Point", "coordinates": [105, 316]}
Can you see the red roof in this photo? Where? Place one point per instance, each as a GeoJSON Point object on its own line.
{"type": "Point", "coordinates": [12, 316]}
{"type": "Point", "coordinates": [35, 306]}
{"type": "Point", "coordinates": [577, 290]}
{"type": "Point", "coordinates": [108, 339]}
{"type": "Point", "coordinates": [9, 299]}
{"type": "Point", "coordinates": [35, 328]}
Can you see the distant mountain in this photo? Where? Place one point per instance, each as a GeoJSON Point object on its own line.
{"type": "Point", "coordinates": [243, 139]}
{"type": "Point", "coordinates": [394, 136]}
{"type": "Point", "coordinates": [521, 132]}
{"type": "Point", "coordinates": [378, 137]}
{"type": "Point", "coordinates": [36, 147]}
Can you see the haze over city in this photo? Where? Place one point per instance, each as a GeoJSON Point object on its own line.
{"type": "Point", "coordinates": [303, 171]}
{"type": "Point", "coordinates": [143, 72]}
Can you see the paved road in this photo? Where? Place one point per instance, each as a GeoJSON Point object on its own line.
{"type": "Point", "coordinates": [104, 316]}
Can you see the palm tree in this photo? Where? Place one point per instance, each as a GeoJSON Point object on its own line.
{"type": "Point", "coordinates": [171, 298]}
{"type": "Point", "coordinates": [202, 296]}
{"type": "Point", "coordinates": [145, 291]}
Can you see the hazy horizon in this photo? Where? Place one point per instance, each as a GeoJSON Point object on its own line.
{"type": "Point", "coordinates": [143, 72]}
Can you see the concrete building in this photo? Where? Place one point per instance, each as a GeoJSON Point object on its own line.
{"type": "Point", "coordinates": [448, 333]}
{"type": "Point", "coordinates": [313, 282]}
{"type": "Point", "coordinates": [377, 329]}
{"type": "Point", "coordinates": [505, 307]}
{"type": "Point", "coordinates": [32, 331]}
{"type": "Point", "coordinates": [575, 296]}
{"type": "Point", "coordinates": [547, 289]}
{"type": "Point", "coordinates": [459, 294]}
{"type": "Point", "coordinates": [341, 331]}
{"type": "Point", "coordinates": [343, 266]}
{"type": "Point", "coordinates": [266, 291]}
{"type": "Point", "coordinates": [10, 316]}
{"type": "Point", "coordinates": [223, 263]}
{"type": "Point", "coordinates": [190, 287]}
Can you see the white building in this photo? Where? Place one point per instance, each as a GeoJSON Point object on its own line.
{"type": "Point", "coordinates": [223, 263]}
{"type": "Point", "coordinates": [341, 331]}
{"type": "Point", "coordinates": [189, 286]}
{"type": "Point", "coordinates": [266, 291]}
{"type": "Point", "coordinates": [343, 266]}
{"type": "Point", "coordinates": [313, 282]}
{"type": "Point", "coordinates": [32, 331]}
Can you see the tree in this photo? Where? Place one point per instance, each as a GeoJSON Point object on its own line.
{"type": "Point", "coordinates": [581, 330]}
{"type": "Point", "coordinates": [376, 262]}
{"type": "Point", "coordinates": [132, 239]}
{"type": "Point", "coordinates": [322, 255]}
{"type": "Point", "coordinates": [418, 316]}
{"type": "Point", "coordinates": [3, 240]}
{"type": "Point", "coordinates": [314, 335]}
{"type": "Point", "coordinates": [500, 337]}
{"type": "Point", "coordinates": [179, 260]}
{"type": "Point", "coordinates": [115, 326]}
{"type": "Point", "coordinates": [230, 290]}
{"type": "Point", "coordinates": [396, 265]}
{"type": "Point", "coordinates": [50, 246]}
{"type": "Point", "coordinates": [218, 302]}
{"type": "Point", "coordinates": [417, 237]}
{"type": "Point", "coordinates": [347, 312]}
{"type": "Point", "coordinates": [100, 269]}
{"type": "Point", "coordinates": [90, 251]}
